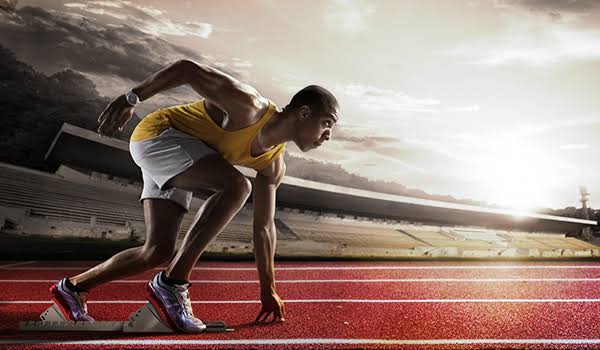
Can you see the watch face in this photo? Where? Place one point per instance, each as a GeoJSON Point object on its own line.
{"type": "Point", "coordinates": [131, 99]}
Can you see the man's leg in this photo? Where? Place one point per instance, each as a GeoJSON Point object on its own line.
{"type": "Point", "coordinates": [232, 190]}
{"type": "Point", "coordinates": [168, 291]}
{"type": "Point", "coordinates": [163, 221]}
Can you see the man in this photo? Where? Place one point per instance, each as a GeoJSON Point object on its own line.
{"type": "Point", "coordinates": [193, 147]}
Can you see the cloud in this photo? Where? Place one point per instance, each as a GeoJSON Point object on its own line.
{"type": "Point", "coordinates": [528, 131]}
{"type": "Point", "coordinates": [471, 108]}
{"type": "Point", "coordinates": [538, 33]}
{"type": "Point", "coordinates": [377, 99]}
{"type": "Point", "coordinates": [348, 16]}
{"type": "Point", "coordinates": [574, 147]}
{"type": "Point", "coordinates": [52, 41]}
{"type": "Point", "coordinates": [343, 134]}
{"type": "Point", "coordinates": [146, 18]}
{"type": "Point", "coordinates": [8, 5]}
{"type": "Point", "coordinates": [554, 9]}
{"type": "Point", "coordinates": [533, 44]}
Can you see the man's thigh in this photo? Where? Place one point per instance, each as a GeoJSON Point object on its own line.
{"type": "Point", "coordinates": [211, 173]}
{"type": "Point", "coordinates": [163, 220]}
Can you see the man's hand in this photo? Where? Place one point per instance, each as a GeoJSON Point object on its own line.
{"type": "Point", "coordinates": [115, 116]}
{"type": "Point", "coordinates": [271, 304]}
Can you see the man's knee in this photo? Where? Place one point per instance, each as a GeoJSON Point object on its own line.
{"type": "Point", "coordinates": [239, 187]}
{"type": "Point", "coordinates": [154, 255]}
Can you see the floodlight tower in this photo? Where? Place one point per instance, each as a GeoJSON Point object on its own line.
{"type": "Point", "coordinates": [584, 199]}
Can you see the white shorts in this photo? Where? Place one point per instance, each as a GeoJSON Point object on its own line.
{"type": "Point", "coordinates": [165, 156]}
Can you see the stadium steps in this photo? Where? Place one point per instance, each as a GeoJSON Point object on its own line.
{"type": "Point", "coordinates": [581, 244]}
{"type": "Point", "coordinates": [52, 197]}
{"type": "Point", "coordinates": [558, 243]}
{"type": "Point", "coordinates": [528, 243]}
{"type": "Point", "coordinates": [240, 229]}
{"type": "Point", "coordinates": [359, 235]}
{"type": "Point", "coordinates": [433, 236]}
{"type": "Point", "coordinates": [60, 206]}
{"type": "Point", "coordinates": [414, 237]}
{"type": "Point", "coordinates": [285, 231]}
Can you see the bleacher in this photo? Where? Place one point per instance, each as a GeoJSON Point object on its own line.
{"type": "Point", "coordinates": [353, 234]}
{"type": "Point", "coordinates": [52, 197]}
{"type": "Point", "coordinates": [439, 237]}
{"type": "Point", "coordinates": [99, 201]}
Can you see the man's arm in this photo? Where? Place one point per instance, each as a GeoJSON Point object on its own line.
{"type": "Point", "coordinates": [265, 186]}
{"type": "Point", "coordinates": [223, 90]}
{"type": "Point", "coordinates": [264, 232]}
{"type": "Point", "coordinates": [212, 84]}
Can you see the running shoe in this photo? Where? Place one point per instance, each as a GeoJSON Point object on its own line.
{"type": "Point", "coordinates": [175, 305]}
{"type": "Point", "coordinates": [71, 303]}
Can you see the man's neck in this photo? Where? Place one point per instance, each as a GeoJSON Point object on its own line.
{"type": "Point", "coordinates": [279, 129]}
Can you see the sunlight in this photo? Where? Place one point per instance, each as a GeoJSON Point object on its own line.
{"type": "Point", "coordinates": [515, 176]}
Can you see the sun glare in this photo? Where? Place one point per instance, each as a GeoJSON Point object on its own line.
{"type": "Point", "coordinates": [515, 176]}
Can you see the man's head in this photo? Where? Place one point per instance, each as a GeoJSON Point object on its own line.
{"type": "Point", "coordinates": [316, 111]}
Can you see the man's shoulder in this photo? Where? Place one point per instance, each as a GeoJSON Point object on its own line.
{"type": "Point", "coordinates": [244, 107]}
{"type": "Point", "coordinates": [274, 171]}
{"type": "Point", "coordinates": [249, 97]}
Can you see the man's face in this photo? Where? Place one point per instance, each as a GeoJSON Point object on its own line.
{"type": "Point", "coordinates": [315, 128]}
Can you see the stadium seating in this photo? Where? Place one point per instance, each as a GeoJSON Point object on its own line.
{"type": "Point", "coordinates": [80, 199]}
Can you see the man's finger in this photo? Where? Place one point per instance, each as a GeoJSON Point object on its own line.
{"type": "Point", "coordinates": [117, 122]}
{"type": "Point", "coordinates": [101, 128]}
{"type": "Point", "coordinates": [108, 112]}
{"type": "Point", "coordinates": [104, 113]}
{"type": "Point", "coordinates": [122, 120]}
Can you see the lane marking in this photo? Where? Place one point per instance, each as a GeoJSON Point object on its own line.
{"type": "Point", "coordinates": [331, 301]}
{"type": "Point", "coordinates": [11, 266]}
{"type": "Point", "coordinates": [312, 268]}
{"type": "Point", "coordinates": [298, 341]}
{"type": "Point", "coordinates": [388, 280]}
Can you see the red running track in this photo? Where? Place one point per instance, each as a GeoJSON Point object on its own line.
{"type": "Point", "coordinates": [467, 305]}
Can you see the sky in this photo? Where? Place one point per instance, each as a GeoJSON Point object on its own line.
{"type": "Point", "coordinates": [492, 100]}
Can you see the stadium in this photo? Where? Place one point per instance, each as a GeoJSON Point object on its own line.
{"type": "Point", "coordinates": [441, 211]}
{"type": "Point", "coordinates": [97, 198]}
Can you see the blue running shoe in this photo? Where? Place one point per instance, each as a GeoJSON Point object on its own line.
{"type": "Point", "coordinates": [72, 304]}
{"type": "Point", "coordinates": [175, 305]}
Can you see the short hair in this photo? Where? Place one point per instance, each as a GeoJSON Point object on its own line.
{"type": "Point", "coordinates": [316, 97]}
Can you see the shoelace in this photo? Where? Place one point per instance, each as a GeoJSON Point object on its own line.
{"type": "Point", "coordinates": [185, 296]}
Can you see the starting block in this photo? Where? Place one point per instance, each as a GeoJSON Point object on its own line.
{"type": "Point", "coordinates": [145, 320]}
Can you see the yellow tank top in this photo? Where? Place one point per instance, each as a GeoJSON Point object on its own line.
{"type": "Point", "coordinates": [193, 119]}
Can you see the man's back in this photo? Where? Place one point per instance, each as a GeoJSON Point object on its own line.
{"type": "Point", "coordinates": [193, 119]}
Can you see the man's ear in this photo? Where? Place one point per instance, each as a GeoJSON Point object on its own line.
{"type": "Point", "coordinates": [304, 112]}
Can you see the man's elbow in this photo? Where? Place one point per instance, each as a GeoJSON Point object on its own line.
{"type": "Point", "coordinates": [187, 67]}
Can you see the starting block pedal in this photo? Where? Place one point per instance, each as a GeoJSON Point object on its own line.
{"type": "Point", "coordinates": [145, 320]}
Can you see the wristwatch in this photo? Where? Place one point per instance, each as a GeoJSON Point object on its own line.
{"type": "Point", "coordinates": [132, 98]}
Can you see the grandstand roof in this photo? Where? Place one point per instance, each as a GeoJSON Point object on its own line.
{"type": "Point", "coordinates": [86, 149]}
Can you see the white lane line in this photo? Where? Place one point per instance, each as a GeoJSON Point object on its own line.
{"type": "Point", "coordinates": [312, 268]}
{"type": "Point", "coordinates": [11, 266]}
{"type": "Point", "coordinates": [299, 341]}
{"type": "Point", "coordinates": [389, 280]}
{"type": "Point", "coordinates": [379, 301]}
